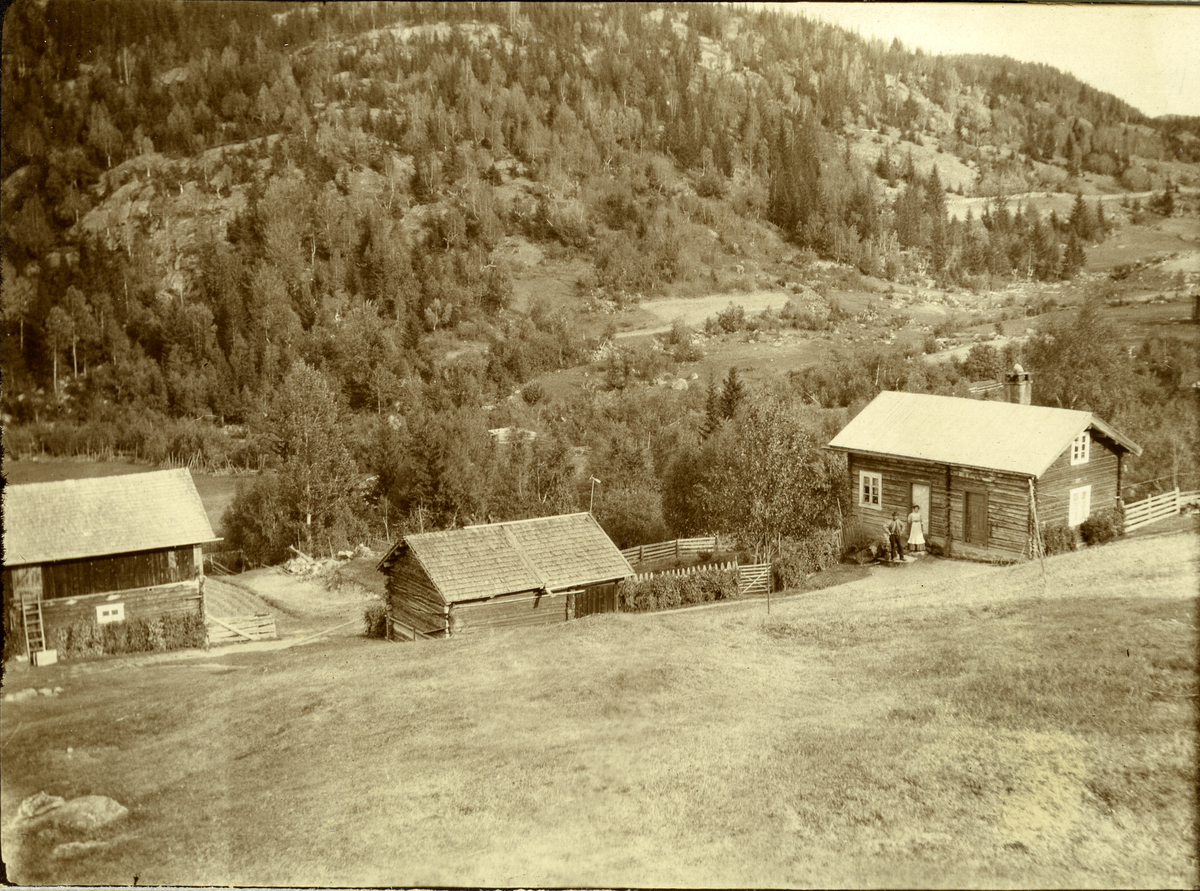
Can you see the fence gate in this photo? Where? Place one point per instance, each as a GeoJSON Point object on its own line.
{"type": "Point", "coordinates": [597, 599]}
{"type": "Point", "coordinates": [754, 578]}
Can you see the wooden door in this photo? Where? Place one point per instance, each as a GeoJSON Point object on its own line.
{"type": "Point", "coordinates": [597, 599]}
{"type": "Point", "coordinates": [919, 495]}
{"type": "Point", "coordinates": [975, 518]}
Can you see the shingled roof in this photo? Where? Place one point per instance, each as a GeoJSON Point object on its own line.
{"type": "Point", "coordinates": [1004, 436]}
{"type": "Point", "coordinates": [550, 553]}
{"type": "Point", "coordinates": [71, 519]}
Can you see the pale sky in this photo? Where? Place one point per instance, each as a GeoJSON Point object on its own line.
{"type": "Point", "coordinates": [1146, 54]}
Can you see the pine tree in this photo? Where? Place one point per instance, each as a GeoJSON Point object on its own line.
{"type": "Point", "coordinates": [1081, 221]}
{"type": "Point", "coordinates": [1074, 258]}
{"type": "Point", "coordinates": [733, 393]}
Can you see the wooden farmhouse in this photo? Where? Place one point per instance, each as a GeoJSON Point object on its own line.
{"type": "Point", "coordinates": [501, 575]}
{"type": "Point", "coordinates": [105, 550]}
{"type": "Point", "coordinates": [984, 473]}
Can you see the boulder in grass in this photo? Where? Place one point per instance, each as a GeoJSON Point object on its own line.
{"type": "Point", "coordinates": [83, 814]}
{"type": "Point", "coordinates": [36, 805]}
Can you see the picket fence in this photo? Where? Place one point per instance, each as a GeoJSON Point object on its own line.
{"type": "Point", "coordinates": [1157, 507]}
{"type": "Point", "coordinates": [752, 578]}
{"type": "Point", "coordinates": [680, 547]}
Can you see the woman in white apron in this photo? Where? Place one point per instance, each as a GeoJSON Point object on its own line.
{"type": "Point", "coordinates": [916, 535]}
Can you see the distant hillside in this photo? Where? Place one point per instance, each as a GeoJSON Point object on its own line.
{"type": "Point", "coordinates": [195, 194]}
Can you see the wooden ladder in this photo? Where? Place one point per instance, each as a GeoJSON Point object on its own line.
{"type": "Point", "coordinates": [35, 638]}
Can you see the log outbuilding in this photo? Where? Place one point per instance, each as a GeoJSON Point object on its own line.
{"type": "Point", "coordinates": [501, 575]}
{"type": "Point", "coordinates": [101, 550]}
{"type": "Point", "coordinates": [987, 475]}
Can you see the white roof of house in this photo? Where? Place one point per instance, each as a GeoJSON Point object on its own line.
{"type": "Point", "coordinates": [70, 519]}
{"type": "Point", "coordinates": [1024, 439]}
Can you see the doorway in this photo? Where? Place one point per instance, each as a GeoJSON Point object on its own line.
{"type": "Point", "coordinates": [919, 494]}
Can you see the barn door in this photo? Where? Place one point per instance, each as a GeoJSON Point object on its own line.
{"type": "Point", "coordinates": [975, 519]}
{"type": "Point", "coordinates": [597, 599]}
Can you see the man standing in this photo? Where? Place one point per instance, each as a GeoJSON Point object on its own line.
{"type": "Point", "coordinates": [894, 530]}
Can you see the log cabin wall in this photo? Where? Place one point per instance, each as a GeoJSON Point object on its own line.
{"type": "Point", "coordinates": [1007, 497]}
{"type": "Point", "coordinates": [1055, 485]}
{"type": "Point", "coordinates": [412, 598]}
{"type": "Point", "coordinates": [898, 475]}
{"type": "Point", "coordinates": [521, 610]}
{"type": "Point", "coordinates": [1007, 503]}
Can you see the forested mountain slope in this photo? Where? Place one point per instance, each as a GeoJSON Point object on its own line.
{"type": "Point", "coordinates": [198, 195]}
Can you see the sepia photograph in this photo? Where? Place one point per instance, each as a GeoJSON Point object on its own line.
{"type": "Point", "coordinates": [600, 445]}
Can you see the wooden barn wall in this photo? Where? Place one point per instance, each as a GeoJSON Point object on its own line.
{"type": "Point", "coordinates": [120, 572]}
{"type": "Point", "coordinates": [1055, 485]}
{"type": "Point", "coordinates": [1008, 502]}
{"type": "Point", "coordinates": [508, 611]}
{"type": "Point", "coordinates": [412, 598]}
{"type": "Point", "coordinates": [142, 603]}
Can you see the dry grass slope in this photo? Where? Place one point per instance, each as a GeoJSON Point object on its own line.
{"type": "Point", "coordinates": [993, 731]}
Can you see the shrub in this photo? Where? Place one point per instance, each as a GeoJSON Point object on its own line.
{"type": "Point", "coordinates": [670, 592]}
{"type": "Point", "coordinates": [1058, 538]}
{"type": "Point", "coordinates": [375, 620]}
{"type": "Point", "coordinates": [155, 635]}
{"type": "Point", "coordinates": [800, 558]}
{"type": "Point", "coordinates": [1103, 526]}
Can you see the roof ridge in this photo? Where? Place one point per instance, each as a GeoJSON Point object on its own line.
{"type": "Point", "coordinates": [578, 513]}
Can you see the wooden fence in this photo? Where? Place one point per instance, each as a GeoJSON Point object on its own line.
{"type": "Point", "coordinates": [235, 629]}
{"type": "Point", "coordinates": [224, 562]}
{"type": "Point", "coordinates": [1157, 507]}
{"type": "Point", "coordinates": [752, 578]}
{"type": "Point", "coordinates": [680, 547]}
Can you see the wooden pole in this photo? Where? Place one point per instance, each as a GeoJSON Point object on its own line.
{"type": "Point", "coordinates": [1037, 529]}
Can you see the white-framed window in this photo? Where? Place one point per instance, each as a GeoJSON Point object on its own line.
{"type": "Point", "coordinates": [110, 612]}
{"type": "Point", "coordinates": [1081, 505]}
{"type": "Point", "coordinates": [870, 489]}
{"type": "Point", "coordinates": [1080, 447]}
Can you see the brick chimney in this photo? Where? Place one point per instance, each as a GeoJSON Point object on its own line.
{"type": "Point", "coordinates": [1017, 387]}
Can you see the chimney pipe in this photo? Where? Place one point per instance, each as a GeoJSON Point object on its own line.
{"type": "Point", "coordinates": [1017, 386]}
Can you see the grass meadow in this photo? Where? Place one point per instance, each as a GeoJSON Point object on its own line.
{"type": "Point", "coordinates": [998, 731]}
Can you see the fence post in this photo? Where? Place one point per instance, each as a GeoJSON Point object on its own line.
{"type": "Point", "coordinates": [1177, 507]}
{"type": "Point", "coordinates": [677, 549]}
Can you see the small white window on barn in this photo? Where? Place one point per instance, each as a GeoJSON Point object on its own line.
{"type": "Point", "coordinates": [1080, 447]}
{"type": "Point", "coordinates": [870, 489]}
{"type": "Point", "coordinates": [110, 612]}
{"type": "Point", "coordinates": [1081, 505]}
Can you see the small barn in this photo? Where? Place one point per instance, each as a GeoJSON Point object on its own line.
{"type": "Point", "coordinates": [501, 575]}
{"type": "Point", "coordinates": [105, 549]}
{"type": "Point", "coordinates": [984, 473]}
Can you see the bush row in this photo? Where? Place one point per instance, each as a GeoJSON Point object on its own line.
{"type": "Point", "coordinates": [172, 632]}
{"type": "Point", "coordinates": [671, 591]}
{"type": "Point", "coordinates": [1101, 527]}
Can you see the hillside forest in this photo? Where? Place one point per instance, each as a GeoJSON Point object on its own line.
{"type": "Point", "coordinates": [293, 240]}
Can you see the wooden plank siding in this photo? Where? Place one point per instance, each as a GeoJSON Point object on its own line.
{"type": "Point", "coordinates": [1055, 485]}
{"type": "Point", "coordinates": [141, 603]}
{"type": "Point", "coordinates": [119, 572]}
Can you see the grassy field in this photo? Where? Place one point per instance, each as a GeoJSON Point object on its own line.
{"type": "Point", "coordinates": [993, 731]}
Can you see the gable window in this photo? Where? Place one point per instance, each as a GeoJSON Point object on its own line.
{"type": "Point", "coordinates": [1080, 447]}
{"type": "Point", "coordinates": [1081, 505]}
{"type": "Point", "coordinates": [870, 489]}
